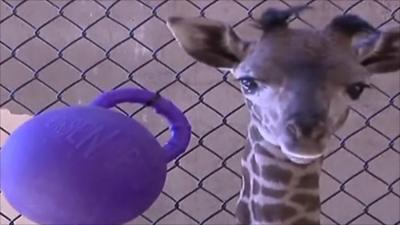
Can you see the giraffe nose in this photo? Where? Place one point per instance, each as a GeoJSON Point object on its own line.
{"type": "Point", "coordinates": [307, 127]}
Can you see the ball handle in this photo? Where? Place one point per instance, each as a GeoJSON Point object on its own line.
{"type": "Point", "coordinates": [179, 125]}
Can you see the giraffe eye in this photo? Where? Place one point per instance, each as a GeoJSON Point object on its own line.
{"type": "Point", "coordinates": [355, 90]}
{"type": "Point", "coordinates": [249, 85]}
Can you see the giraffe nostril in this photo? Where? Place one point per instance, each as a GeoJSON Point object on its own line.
{"type": "Point", "coordinates": [293, 130]}
{"type": "Point", "coordinates": [319, 131]}
{"type": "Point", "coordinates": [299, 130]}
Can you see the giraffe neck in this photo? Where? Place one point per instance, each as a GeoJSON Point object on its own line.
{"type": "Point", "coordinates": [275, 190]}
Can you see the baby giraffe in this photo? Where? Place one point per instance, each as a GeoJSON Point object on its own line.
{"type": "Point", "coordinates": [297, 84]}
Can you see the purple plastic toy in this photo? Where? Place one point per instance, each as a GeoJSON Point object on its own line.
{"type": "Point", "coordinates": [89, 164]}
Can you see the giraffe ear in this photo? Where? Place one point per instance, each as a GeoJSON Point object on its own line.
{"type": "Point", "coordinates": [211, 42]}
{"type": "Point", "coordinates": [380, 53]}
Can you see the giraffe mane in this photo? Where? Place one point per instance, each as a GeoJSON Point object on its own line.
{"type": "Point", "coordinates": [274, 18]}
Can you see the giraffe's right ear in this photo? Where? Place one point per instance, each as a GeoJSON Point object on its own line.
{"type": "Point", "coordinates": [211, 42]}
{"type": "Point", "coordinates": [381, 53]}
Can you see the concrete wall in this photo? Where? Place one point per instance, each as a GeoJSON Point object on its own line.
{"type": "Point", "coordinates": [72, 69]}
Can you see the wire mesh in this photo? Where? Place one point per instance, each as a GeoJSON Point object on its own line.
{"type": "Point", "coordinates": [56, 53]}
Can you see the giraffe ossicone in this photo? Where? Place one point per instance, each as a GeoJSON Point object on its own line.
{"type": "Point", "coordinates": [297, 85]}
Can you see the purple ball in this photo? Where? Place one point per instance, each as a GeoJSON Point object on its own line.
{"type": "Point", "coordinates": [88, 164]}
{"type": "Point", "coordinates": [65, 166]}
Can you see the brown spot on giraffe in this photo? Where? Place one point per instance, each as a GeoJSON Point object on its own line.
{"type": "Point", "coordinates": [254, 166]}
{"type": "Point", "coordinates": [274, 193]}
{"type": "Point", "coordinates": [255, 135]}
{"type": "Point", "coordinates": [246, 181]}
{"type": "Point", "coordinates": [309, 201]}
{"type": "Point", "coordinates": [246, 150]}
{"type": "Point", "coordinates": [272, 212]}
{"type": "Point", "coordinates": [309, 181]}
{"type": "Point", "coordinates": [256, 187]}
{"type": "Point", "coordinates": [257, 112]}
{"type": "Point", "coordinates": [243, 213]}
{"type": "Point", "coordinates": [276, 174]}
{"type": "Point", "coordinates": [249, 104]}
{"type": "Point", "coordinates": [256, 118]}
{"type": "Point", "coordinates": [305, 221]}
{"type": "Point", "coordinates": [263, 151]}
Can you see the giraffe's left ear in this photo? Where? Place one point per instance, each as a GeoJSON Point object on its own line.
{"type": "Point", "coordinates": [380, 52]}
{"type": "Point", "coordinates": [208, 41]}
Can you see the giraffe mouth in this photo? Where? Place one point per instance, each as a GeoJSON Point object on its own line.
{"type": "Point", "coordinates": [301, 158]}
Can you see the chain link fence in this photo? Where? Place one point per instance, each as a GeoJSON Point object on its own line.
{"type": "Point", "coordinates": [56, 53]}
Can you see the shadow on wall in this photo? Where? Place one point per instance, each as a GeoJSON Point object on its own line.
{"type": "Point", "coordinates": [10, 122]}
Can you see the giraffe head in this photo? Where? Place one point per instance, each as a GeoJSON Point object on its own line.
{"type": "Point", "coordinates": [297, 83]}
